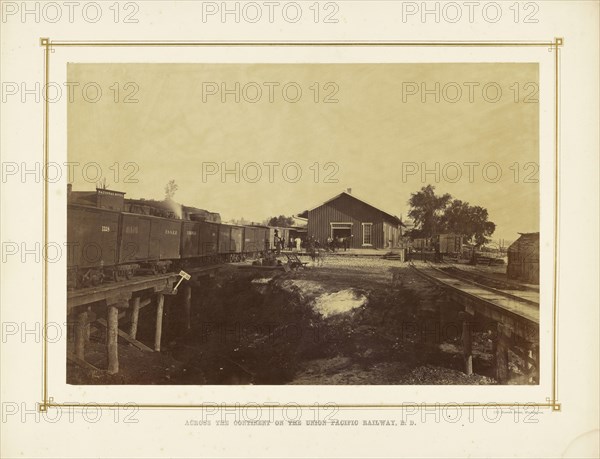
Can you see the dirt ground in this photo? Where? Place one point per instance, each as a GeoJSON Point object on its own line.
{"type": "Point", "coordinates": [353, 320]}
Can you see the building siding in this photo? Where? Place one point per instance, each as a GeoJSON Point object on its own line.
{"type": "Point", "coordinates": [346, 209]}
{"type": "Point", "coordinates": [524, 259]}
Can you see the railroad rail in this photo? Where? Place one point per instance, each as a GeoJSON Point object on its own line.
{"type": "Point", "coordinates": [527, 296]}
{"type": "Point", "coordinates": [482, 278]}
{"type": "Point", "coordinates": [517, 317]}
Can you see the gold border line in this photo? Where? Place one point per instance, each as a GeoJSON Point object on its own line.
{"type": "Point", "coordinates": [45, 231]}
{"type": "Point", "coordinates": [342, 43]}
{"type": "Point", "coordinates": [551, 402]}
{"type": "Point", "coordinates": [559, 42]}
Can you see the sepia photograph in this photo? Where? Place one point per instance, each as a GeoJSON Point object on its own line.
{"type": "Point", "coordinates": [266, 229]}
{"type": "Point", "coordinates": [303, 224]}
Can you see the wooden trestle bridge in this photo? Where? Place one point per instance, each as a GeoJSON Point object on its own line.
{"type": "Point", "coordinates": [513, 307]}
{"type": "Point", "coordinates": [126, 298]}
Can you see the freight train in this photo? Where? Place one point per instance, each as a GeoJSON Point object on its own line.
{"type": "Point", "coordinates": [106, 241]}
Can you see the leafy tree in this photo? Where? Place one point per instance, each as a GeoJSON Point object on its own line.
{"type": "Point", "coordinates": [434, 214]}
{"type": "Point", "coordinates": [170, 189]}
{"type": "Point", "coordinates": [281, 221]}
{"type": "Point", "coordinates": [469, 221]}
{"type": "Point", "coordinates": [426, 211]}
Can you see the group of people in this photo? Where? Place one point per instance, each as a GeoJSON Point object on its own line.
{"type": "Point", "coordinates": [333, 244]}
{"type": "Point", "coordinates": [280, 243]}
{"type": "Point", "coordinates": [338, 243]}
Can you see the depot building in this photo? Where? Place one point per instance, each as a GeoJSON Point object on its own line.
{"type": "Point", "coordinates": [347, 216]}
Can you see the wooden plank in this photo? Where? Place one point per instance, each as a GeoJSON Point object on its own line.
{"type": "Point", "coordinates": [141, 346]}
{"type": "Point", "coordinates": [522, 318]}
{"type": "Point", "coordinates": [262, 268]}
{"type": "Point", "coordinates": [160, 282]}
{"type": "Point", "coordinates": [91, 295]}
{"type": "Point", "coordinates": [135, 313]}
{"type": "Point", "coordinates": [82, 363]}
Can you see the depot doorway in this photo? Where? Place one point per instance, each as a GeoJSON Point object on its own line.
{"type": "Point", "coordinates": [341, 230]}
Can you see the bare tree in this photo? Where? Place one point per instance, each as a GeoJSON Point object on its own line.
{"type": "Point", "coordinates": [170, 189]}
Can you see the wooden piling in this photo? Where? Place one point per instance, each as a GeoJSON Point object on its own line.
{"type": "Point", "coordinates": [532, 362]}
{"type": "Point", "coordinates": [88, 325]}
{"type": "Point", "coordinates": [536, 357]}
{"type": "Point", "coordinates": [160, 302]}
{"type": "Point", "coordinates": [467, 341]}
{"type": "Point", "coordinates": [112, 336]}
{"type": "Point", "coordinates": [501, 354]}
{"type": "Point", "coordinates": [135, 314]}
{"type": "Point", "coordinates": [187, 306]}
{"type": "Point", "coordinates": [80, 334]}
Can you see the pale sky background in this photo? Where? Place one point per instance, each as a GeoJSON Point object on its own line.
{"type": "Point", "coordinates": [369, 133]}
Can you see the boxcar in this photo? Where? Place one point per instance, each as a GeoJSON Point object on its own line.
{"type": "Point", "coordinates": [148, 238]}
{"type": "Point", "coordinates": [190, 239]}
{"type": "Point", "coordinates": [92, 235]}
{"type": "Point", "coordinates": [208, 242]}
{"type": "Point", "coordinates": [450, 243]}
{"type": "Point", "coordinates": [224, 238]}
{"type": "Point", "coordinates": [237, 239]}
{"type": "Point", "coordinates": [250, 243]}
{"type": "Point", "coordinates": [256, 238]}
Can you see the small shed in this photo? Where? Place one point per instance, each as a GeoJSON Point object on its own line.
{"type": "Point", "coordinates": [524, 258]}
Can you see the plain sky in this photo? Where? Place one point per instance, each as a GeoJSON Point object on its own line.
{"type": "Point", "coordinates": [376, 137]}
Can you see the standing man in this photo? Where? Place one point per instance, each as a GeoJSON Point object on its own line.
{"type": "Point", "coordinates": [276, 241]}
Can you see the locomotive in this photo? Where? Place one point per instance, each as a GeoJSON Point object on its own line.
{"type": "Point", "coordinates": [108, 239]}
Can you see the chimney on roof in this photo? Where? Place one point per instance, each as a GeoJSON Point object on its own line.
{"type": "Point", "coordinates": [349, 190]}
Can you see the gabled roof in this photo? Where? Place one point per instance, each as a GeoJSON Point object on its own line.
{"type": "Point", "coordinates": [392, 217]}
{"type": "Point", "coordinates": [525, 240]}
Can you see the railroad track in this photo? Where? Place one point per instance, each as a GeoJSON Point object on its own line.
{"type": "Point", "coordinates": [501, 284]}
{"type": "Point", "coordinates": [522, 306]}
{"type": "Point", "coordinates": [516, 319]}
{"type": "Point", "coordinates": [523, 296]}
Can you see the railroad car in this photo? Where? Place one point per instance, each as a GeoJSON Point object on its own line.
{"type": "Point", "coordinates": [151, 242]}
{"type": "Point", "coordinates": [237, 241]}
{"type": "Point", "coordinates": [447, 243]}
{"type": "Point", "coordinates": [190, 239]}
{"type": "Point", "coordinates": [231, 242]}
{"type": "Point", "coordinates": [254, 239]}
{"type": "Point", "coordinates": [261, 238]}
{"type": "Point", "coordinates": [208, 242]}
{"type": "Point", "coordinates": [224, 239]}
{"type": "Point", "coordinates": [92, 241]}
{"type": "Point", "coordinates": [106, 241]}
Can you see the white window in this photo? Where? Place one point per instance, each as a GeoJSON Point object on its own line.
{"type": "Point", "coordinates": [367, 233]}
